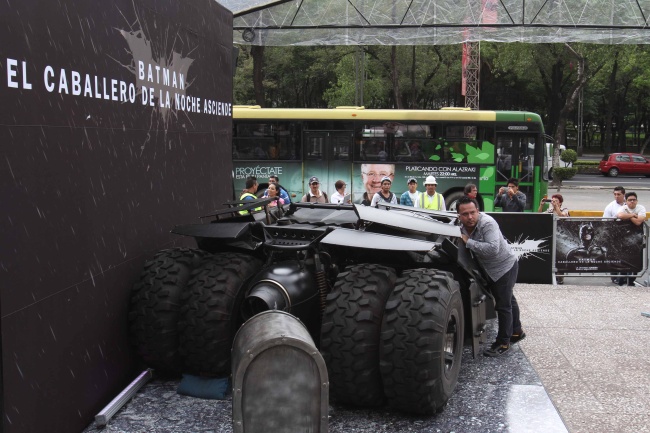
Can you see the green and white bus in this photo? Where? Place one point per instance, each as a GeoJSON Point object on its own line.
{"type": "Point", "coordinates": [360, 146]}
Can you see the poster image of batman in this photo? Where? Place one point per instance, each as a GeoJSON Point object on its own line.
{"type": "Point", "coordinates": [601, 246]}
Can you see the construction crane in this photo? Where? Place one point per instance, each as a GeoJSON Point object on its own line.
{"type": "Point", "coordinates": [471, 73]}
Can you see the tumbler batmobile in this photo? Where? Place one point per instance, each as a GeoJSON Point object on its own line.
{"type": "Point", "coordinates": [389, 295]}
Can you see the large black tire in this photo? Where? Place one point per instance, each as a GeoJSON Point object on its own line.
{"type": "Point", "coordinates": [350, 333]}
{"type": "Point", "coordinates": [422, 341]}
{"type": "Point", "coordinates": [211, 312]}
{"type": "Point", "coordinates": [155, 307]}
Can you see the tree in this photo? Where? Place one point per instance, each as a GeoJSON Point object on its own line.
{"type": "Point", "coordinates": [568, 108]}
{"type": "Point", "coordinates": [257, 53]}
{"type": "Point", "coordinates": [568, 156]}
{"type": "Point", "coordinates": [406, 77]}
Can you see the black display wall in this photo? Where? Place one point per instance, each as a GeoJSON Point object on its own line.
{"type": "Point", "coordinates": [116, 125]}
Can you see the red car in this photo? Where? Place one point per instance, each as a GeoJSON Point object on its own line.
{"type": "Point", "coordinates": [624, 163]}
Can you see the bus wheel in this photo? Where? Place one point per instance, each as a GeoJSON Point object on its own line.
{"type": "Point", "coordinates": [453, 198]}
{"type": "Point", "coordinates": [350, 333]}
{"type": "Point", "coordinates": [155, 307]}
{"type": "Point", "coordinates": [422, 341]}
{"type": "Point", "coordinates": [211, 312]}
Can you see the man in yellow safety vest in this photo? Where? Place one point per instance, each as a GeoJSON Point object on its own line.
{"type": "Point", "coordinates": [249, 193]}
{"type": "Point", "coordinates": [431, 199]}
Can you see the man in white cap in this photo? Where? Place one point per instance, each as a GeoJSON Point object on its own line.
{"type": "Point", "coordinates": [412, 196]}
{"type": "Point", "coordinates": [384, 195]}
{"type": "Point", "coordinates": [314, 195]}
{"type": "Point", "coordinates": [431, 199]}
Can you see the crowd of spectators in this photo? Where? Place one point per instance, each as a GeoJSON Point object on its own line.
{"type": "Point", "coordinates": [624, 207]}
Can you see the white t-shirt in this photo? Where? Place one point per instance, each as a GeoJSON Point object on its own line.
{"type": "Point", "coordinates": [336, 198]}
{"type": "Point", "coordinates": [638, 210]}
{"type": "Point", "coordinates": [415, 196]}
{"type": "Point", "coordinates": [613, 209]}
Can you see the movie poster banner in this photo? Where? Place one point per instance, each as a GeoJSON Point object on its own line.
{"type": "Point", "coordinates": [588, 245]}
{"type": "Point", "coordinates": [530, 236]}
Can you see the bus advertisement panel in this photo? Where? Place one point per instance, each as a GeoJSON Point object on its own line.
{"type": "Point", "coordinates": [367, 177]}
{"type": "Point", "coordinates": [364, 177]}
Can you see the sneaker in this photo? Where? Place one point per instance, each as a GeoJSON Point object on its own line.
{"type": "Point", "coordinates": [497, 349]}
{"type": "Point", "coordinates": [517, 337]}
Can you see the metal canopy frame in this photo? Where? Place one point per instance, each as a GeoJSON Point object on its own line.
{"type": "Point", "coordinates": [425, 22]}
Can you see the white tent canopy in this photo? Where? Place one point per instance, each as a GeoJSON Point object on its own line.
{"type": "Point", "coordinates": [438, 22]}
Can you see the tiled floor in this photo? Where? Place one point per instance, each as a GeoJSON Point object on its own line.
{"type": "Point", "coordinates": [590, 346]}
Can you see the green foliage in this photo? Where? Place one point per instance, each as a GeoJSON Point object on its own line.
{"type": "Point", "coordinates": [569, 156]}
{"type": "Point", "coordinates": [586, 163]}
{"type": "Point", "coordinates": [342, 91]}
{"type": "Point", "coordinates": [243, 91]}
{"type": "Point", "coordinates": [564, 173]}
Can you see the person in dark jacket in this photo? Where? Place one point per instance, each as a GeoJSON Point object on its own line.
{"type": "Point", "coordinates": [509, 198]}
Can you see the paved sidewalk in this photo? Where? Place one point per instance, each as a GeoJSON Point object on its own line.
{"type": "Point", "coordinates": [590, 346]}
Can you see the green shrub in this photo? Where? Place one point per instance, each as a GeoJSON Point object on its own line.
{"type": "Point", "coordinates": [587, 163]}
{"type": "Point", "coordinates": [569, 156]}
{"type": "Point", "coordinates": [564, 173]}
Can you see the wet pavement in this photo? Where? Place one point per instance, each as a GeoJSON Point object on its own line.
{"type": "Point", "coordinates": [583, 367]}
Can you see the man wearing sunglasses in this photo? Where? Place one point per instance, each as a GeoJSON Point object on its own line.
{"type": "Point", "coordinates": [632, 211]}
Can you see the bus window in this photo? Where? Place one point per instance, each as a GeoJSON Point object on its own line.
{"type": "Point", "coordinates": [415, 131]}
{"type": "Point", "coordinates": [315, 146]}
{"type": "Point", "coordinates": [372, 142]}
{"type": "Point", "coordinates": [340, 147]}
{"type": "Point", "coordinates": [263, 141]}
{"type": "Point", "coordinates": [391, 141]}
{"type": "Point", "coordinates": [504, 158]}
{"type": "Point", "coordinates": [401, 150]}
{"type": "Point", "coordinates": [407, 144]}
{"type": "Point", "coordinates": [327, 145]}
{"type": "Point", "coordinates": [518, 151]}
{"type": "Point", "coordinates": [526, 158]}
{"type": "Point", "coordinates": [373, 150]}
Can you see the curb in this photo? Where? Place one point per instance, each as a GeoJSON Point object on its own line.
{"type": "Point", "coordinates": [609, 187]}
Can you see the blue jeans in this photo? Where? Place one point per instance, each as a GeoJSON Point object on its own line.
{"type": "Point", "coordinates": [506, 305]}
